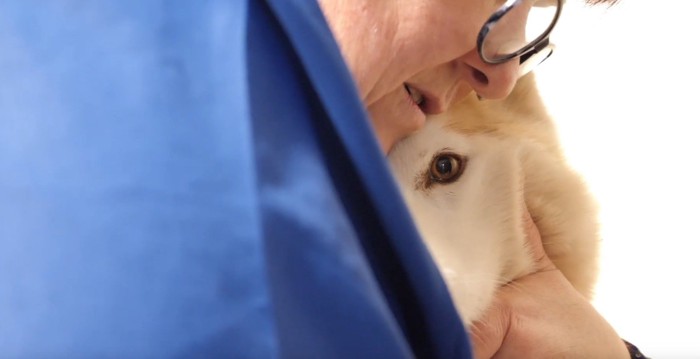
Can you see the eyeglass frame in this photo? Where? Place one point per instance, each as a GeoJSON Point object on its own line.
{"type": "Point", "coordinates": [533, 45]}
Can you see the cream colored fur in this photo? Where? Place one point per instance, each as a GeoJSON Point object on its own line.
{"type": "Point", "coordinates": [474, 226]}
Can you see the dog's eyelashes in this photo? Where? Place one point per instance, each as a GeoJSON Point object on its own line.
{"type": "Point", "coordinates": [446, 168]}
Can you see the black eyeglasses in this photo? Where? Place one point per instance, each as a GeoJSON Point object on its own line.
{"type": "Point", "coordinates": [501, 40]}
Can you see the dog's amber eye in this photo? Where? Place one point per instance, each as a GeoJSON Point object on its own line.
{"type": "Point", "coordinates": [446, 168]}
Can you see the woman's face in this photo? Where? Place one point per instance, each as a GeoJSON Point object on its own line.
{"type": "Point", "coordinates": [412, 58]}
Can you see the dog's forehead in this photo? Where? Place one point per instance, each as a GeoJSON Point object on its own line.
{"type": "Point", "coordinates": [420, 147]}
{"type": "Point", "coordinates": [433, 138]}
{"type": "Point", "coordinates": [438, 137]}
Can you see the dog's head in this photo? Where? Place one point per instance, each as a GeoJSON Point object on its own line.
{"type": "Point", "coordinates": [466, 199]}
{"type": "Point", "coordinates": [465, 177]}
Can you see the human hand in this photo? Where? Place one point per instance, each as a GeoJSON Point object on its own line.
{"type": "Point", "coordinates": [541, 315]}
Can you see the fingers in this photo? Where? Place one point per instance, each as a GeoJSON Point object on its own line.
{"type": "Point", "coordinates": [487, 334]}
{"type": "Point", "coordinates": [534, 241]}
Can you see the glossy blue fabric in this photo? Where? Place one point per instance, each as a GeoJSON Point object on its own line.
{"type": "Point", "coordinates": [199, 179]}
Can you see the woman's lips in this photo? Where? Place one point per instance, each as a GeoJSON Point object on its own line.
{"type": "Point", "coordinates": [427, 102]}
{"type": "Point", "coordinates": [416, 96]}
{"type": "Point", "coordinates": [397, 115]}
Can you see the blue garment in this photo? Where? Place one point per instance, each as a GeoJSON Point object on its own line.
{"type": "Point", "coordinates": [199, 179]}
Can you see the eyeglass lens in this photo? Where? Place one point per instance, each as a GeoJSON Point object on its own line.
{"type": "Point", "coordinates": [518, 28]}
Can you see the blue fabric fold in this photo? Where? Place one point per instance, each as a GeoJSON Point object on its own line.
{"type": "Point", "coordinates": [199, 179]}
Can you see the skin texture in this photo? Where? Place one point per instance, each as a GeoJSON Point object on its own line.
{"type": "Point", "coordinates": [430, 45]}
{"type": "Point", "coordinates": [390, 43]}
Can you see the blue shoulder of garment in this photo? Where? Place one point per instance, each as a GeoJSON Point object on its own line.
{"type": "Point", "coordinates": [200, 179]}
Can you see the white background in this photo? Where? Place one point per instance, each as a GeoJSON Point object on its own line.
{"type": "Point", "coordinates": [623, 88]}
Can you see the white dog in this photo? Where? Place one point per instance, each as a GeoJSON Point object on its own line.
{"type": "Point", "coordinates": [464, 176]}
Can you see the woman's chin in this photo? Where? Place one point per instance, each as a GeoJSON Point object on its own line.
{"type": "Point", "coordinates": [394, 117]}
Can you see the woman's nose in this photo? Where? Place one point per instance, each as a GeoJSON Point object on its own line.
{"type": "Point", "coordinates": [490, 81]}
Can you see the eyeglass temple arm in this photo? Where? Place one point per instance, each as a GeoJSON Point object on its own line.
{"type": "Point", "coordinates": [539, 47]}
{"type": "Point", "coordinates": [535, 57]}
